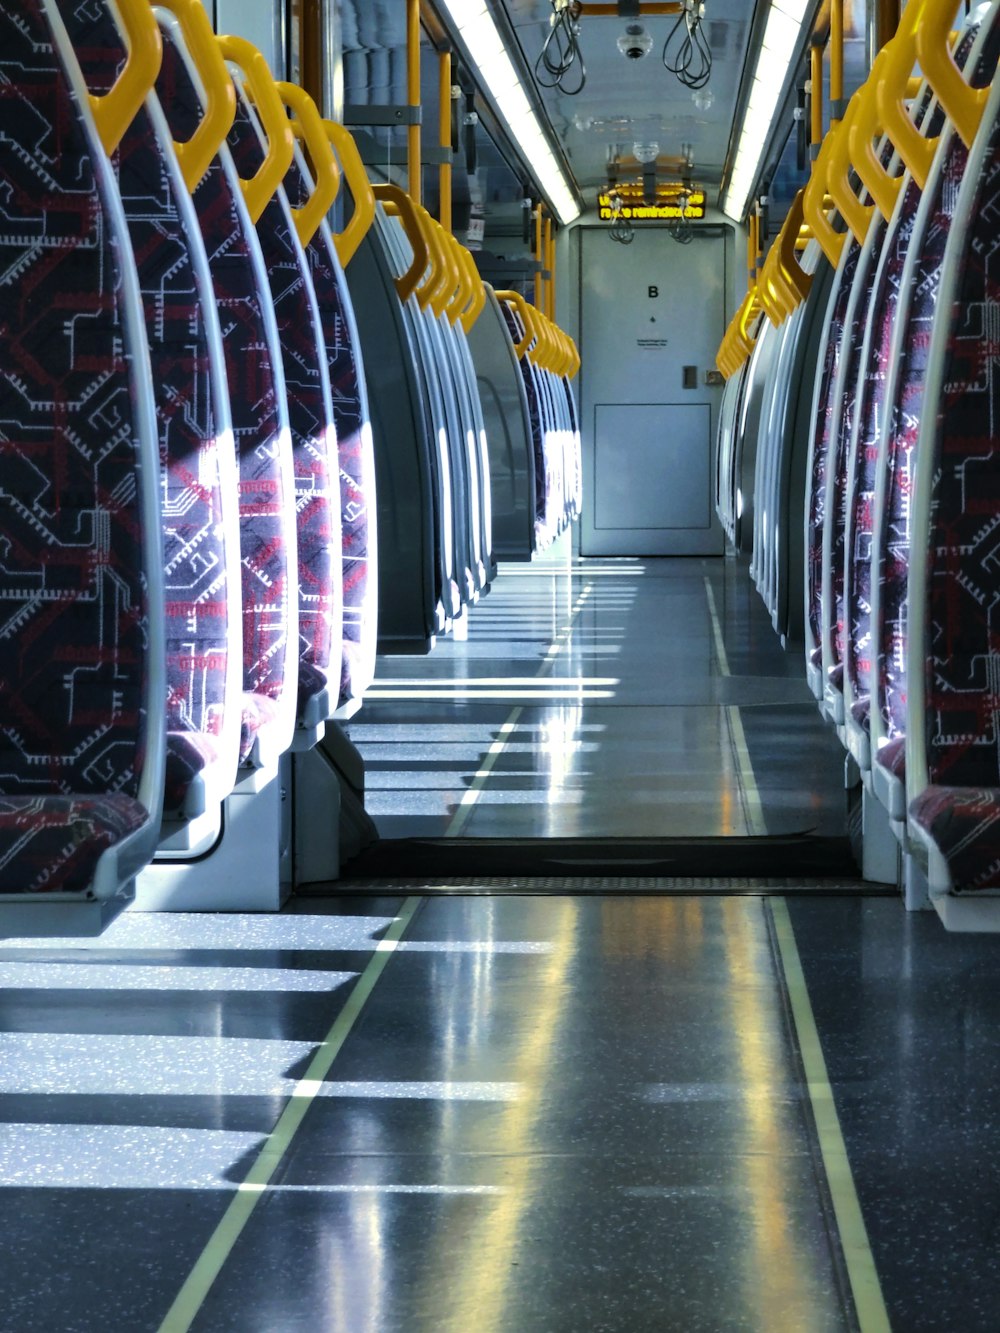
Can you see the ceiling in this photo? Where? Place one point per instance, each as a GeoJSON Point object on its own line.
{"type": "Point", "coordinates": [639, 101]}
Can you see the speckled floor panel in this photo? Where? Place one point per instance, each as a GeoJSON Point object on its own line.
{"type": "Point", "coordinates": [559, 1113]}
{"type": "Point", "coordinates": [910, 1020]}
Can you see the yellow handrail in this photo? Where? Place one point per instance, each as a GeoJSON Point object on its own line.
{"type": "Point", "coordinates": [893, 92]}
{"type": "Point", "coordinates": [115, 110]}
{"type": "Point", "coordinates": [815, 204]}
{"type": "Point", "coordinates": [360, 186]}
{"type": "Point", "coordinates": [882, 187]}
{"type": "Point", "coordinates": [857, 215]}
{"type": "Point", "coordinates": [438, 288]}
{"type": "Point", "coordinates": [462, 292]}
{"type": "Point", "coordinates": [196, 155]}
{"type": "Point", "coordinates": [788, 238]}
{"type": "Point", "coordinates": [260, 189]}
{"type": "Point", "coordinates": [398, 203]}
{"type": "Point", "coordinates": [327, 174]}
{"type": "Point", "coordinates": [525, 311]}
{"type": "Point", "coordinates": [963, 104]}
{"type": "Point", "coordinates": [475, 307]}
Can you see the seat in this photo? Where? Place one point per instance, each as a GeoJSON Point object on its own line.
{"type": "Point", "coordinates": [328, 258]}
{"type": "Point", "coordinates": [904, 410]}
{"type": "Point", "coordinates": [260, 117]}
{"type": "Point", "coordinates": [259, 417]}
{"type": "Point", "coordinates": [199, 498]}
{"type": "Point", "coordinates": [82, 738]}
{"type": "Point", "coordinates": [953, 732]}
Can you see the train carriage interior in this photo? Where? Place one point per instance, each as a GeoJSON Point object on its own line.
{"type": "Point", "coordinates": [499, 705]}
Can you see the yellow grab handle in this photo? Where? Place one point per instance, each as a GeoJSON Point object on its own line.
{"type": "Point", "coordinates": [460, 293]}
{"type": "Point", "coordinates": [893, 92]}
{"type": "Point", "coordinates": [115, 110]}
{"type": "Point", "coordinates": [815, 204]}
{"type": "Point", "coordinates": [327, 182]}
{"type": "Point", "coordinates": [354, 233]}
{"type": "Point", "coordinates": [963, 104]}
{"type": "Point", "coordinates": [398, 203]}
{"type": "Point", "coordinates": [857, 215]}
{"type": "Point", "coordinates": [437, 289]}
{"type": "Point", "coordinates": [882, 187]}
{"type": "Point", "coordinates": [219, 112]}
{"type": "Point", "coordinates": [478, 302]}
{"type": "Point", "coordinates": [791, 269]}
{"type": "Point", "coordinates": [259, 191]}
{"type": "Point", "coordinates": [525, 311]}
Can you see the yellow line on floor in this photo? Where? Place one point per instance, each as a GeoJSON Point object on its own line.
{"type": "Point", "coordinates": [220, 1244]}
{"type": "Point", "coordinates": [469, 798]}
{"type": "Point", "coordinates": [861, 1271]}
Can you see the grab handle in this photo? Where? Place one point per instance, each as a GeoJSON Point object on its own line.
{"type": "Point", "coordinates": [219, 111]}
{"type": "Point", "coordinates": [115, 110]}
{"type": "Point", "coordinates": [260, 189]}
{"type": "Point", "coordinates": [327, 173]}
{"type": "Point", "coordinates": [354, 233]}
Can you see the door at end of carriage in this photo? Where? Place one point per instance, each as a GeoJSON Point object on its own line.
{"type": "Point", "coordinates": [652, 316]}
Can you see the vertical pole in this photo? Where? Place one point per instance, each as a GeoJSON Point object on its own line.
{"type": "Point", "coordinates": [751, 249]}
{"type": "Point", "coordinates": [815, 99]}
{"type": "Point", "coordinates": [539, 259]}
{"type": "Point", "coordinates": [444, 127]}
{"type": "Point", "coordinates": [550, 264]}
{"type": "Point", "coordinates": [836, 61]}
{"type": "Point", "coordinates": [886, 22]}
{"type": "Point", "coordinates": [546, 256]}
{"type": "Point", "coordinates": [413, 97]}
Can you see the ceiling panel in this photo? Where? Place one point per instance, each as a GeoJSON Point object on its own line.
{"type": "Point", "coordinates": [639, 101]}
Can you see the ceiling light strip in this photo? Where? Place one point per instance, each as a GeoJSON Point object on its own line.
{"type": "Point", "coordinates": [781, 40]}
{"type": "Point", "coordinates": [479, 34]}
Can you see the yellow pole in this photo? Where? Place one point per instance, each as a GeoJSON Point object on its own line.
{"type": "Point", "coordinates": [816, 98]}
{"type": "Point", "coordinates": [752, 249]}
{"type": "Point", "coordinates": [539, 259]}
{"type": "Point", "coordinates": [444, 126]}
{"type": "Point", "coordinates": [836, 61]}
{"type": "Point", "coordinates": [413, 97]}
{"type": "Point", "coordinates": [549, 261]}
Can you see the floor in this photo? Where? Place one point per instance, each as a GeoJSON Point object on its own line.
{"type": "Point", "coordinates": [707, 1110]}
{"type": "Point", "coordinates": [603, 699]}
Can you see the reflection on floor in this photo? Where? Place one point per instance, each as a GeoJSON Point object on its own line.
{"type": "Point", "coordinates": [603, 698]}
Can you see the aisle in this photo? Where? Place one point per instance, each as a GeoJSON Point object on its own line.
{"type": "Point", "coordinates": [603, 699]}
{"type": "Point", "coordinates": [546, 1115]}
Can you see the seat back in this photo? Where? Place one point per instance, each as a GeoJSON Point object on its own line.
{"type": "Point", "coordinates": [953, 730]}
{"type": "Point", "coordinates": [198, 487]}
{"type": "Point", "coordinates": [310, 408]}
{"type": "Point", "coordinates": [81, 579]}
{"type": "Point", "coordinates": [259, 418]}
{"type": "Point", "coordinates": [825, 415]}
{"type": "Point", "coordinates": [904, 405]}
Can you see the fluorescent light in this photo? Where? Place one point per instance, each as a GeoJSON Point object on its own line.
{"type": "Point", "coordinates": [486, 51]}
{"type": "Point", "coordinates": [781, 39]}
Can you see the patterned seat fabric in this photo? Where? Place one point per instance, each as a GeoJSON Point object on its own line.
{"type": "Point", "coordinates": [860, 554]}
{"type": "Point", "coordinates": [258, 411]}
{"type": "Point", "coordinates": [353, 431]}
{"type": "Point", "coordinates": [902, 423]}
{"type": "Point", "coordinates": [965, 826]}
{"type": "Point", "coordinates": [827, 414]}
{"type": "Point", "coordinates": [531, 387]}
{"type": "Point", "coordinates": [194, 546]}
{"type": "Point", "coordinates": [74, 630]}
{"type": "Point", "coordinates": [960, 809]}
{"type": "Point", "coordinates": [54, 842]}
{"type": "Point", "coordinates": [310, 415]}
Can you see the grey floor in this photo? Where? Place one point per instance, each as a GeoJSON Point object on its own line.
{"type": "Point", "coordinates": [608, 698]}
{"type": "Point", "coordinates": [574, 1113]}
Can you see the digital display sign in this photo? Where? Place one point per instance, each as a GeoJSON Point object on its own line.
{"type": "Point", "coordinates": [637, 209]}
